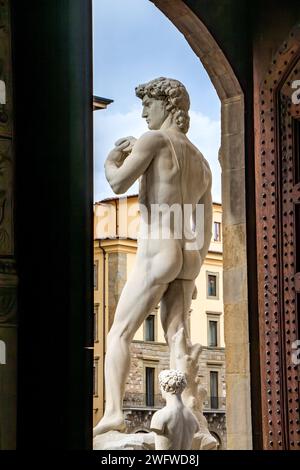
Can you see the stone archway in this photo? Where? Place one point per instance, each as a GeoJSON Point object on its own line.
{"type": "Point", "coordinates": [232, 160]}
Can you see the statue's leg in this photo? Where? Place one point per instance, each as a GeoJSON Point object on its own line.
{"type": "Point", "coordinates": [175, 306]}
{"type": "Point", "coordinates": [138, 299]}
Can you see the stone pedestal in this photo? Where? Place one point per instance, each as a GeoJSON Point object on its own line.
{"type": "Point", "coordinates": [114, 440]}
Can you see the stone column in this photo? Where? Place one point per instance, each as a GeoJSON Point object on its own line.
{"type": "Point", "coordinates": [238, 404]}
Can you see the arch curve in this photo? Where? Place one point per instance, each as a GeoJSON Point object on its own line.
{"type": "Point", "coordinates": [204, 46]}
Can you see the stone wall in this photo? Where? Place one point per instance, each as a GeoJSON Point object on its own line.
{"type": "Point", "coordinates": [145, 353]}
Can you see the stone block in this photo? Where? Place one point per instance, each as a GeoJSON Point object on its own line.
{"type": "Point", "coordinates": [238, 409]}
{"type": "Point", "coordinates": [235, 285]}
{"type": "Point", "coordinates": [239, 441]}
{"type": "Point", "coordinates": [236, 323]}
{"type": "Point", "coordinates": [202, 46]}
{"type": "Point", "coordinates": [237, 358]}
{"type": "Point", "coordinates": [234, 246]}
{"type": "Point", "coordinates": [233, 196]}
{"type": "Point", "coordinates": [217, 62]}
{"type": "Point", "coordinates": [232, 115]}
{"type": "Point", "coordinates": [216, 81]}
{"type": "Point", "coordinates": [230, 85]}
{"type": "Point", "coordinates": [232, 154]}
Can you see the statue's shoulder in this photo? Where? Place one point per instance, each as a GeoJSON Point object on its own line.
{"type": "Point", "coordinates": [159, 421]}
{"type": "Point", "coordinates": [152, 138]}
{"type": "Point", "coordinates": [163, 417]}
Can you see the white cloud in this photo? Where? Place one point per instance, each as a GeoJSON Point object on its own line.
{"type": "Point", "coordinates": [109, 127]}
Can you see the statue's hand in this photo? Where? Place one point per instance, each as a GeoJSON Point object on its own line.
{"type": "Point", "coordinates": [122, 149]}
{"type": "Point", "coordinates": [125, 144]}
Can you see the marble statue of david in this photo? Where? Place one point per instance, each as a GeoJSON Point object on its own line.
{"type": "Point", "coordinates": [172, 173]}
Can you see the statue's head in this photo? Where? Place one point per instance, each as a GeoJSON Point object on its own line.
{"type": "Point", "coordinates": [172, 381]}
{"type": "Point", "coordinates": [162, 97]}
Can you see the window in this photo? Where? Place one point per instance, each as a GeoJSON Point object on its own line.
{"type": "Point", "coordinates": [96, 311]}
{"type": "Point", "coordinates": [212, 333]}
{"type": "Point", "coordinates": [212, 285]}
{"type": "Point", "coordinates": [150, 328]}
{"type": "Point", "coordinates": [96, 275]}
{"type": "Point", "coordinates": [150, 386]}
{"type": "Point", "coordinates": [214, 380]}
{"type": "Point", "coordinates": [95, 377]}
{"type": "Point", "coordinates": [217, 231]}
{"type": "Point", "coordinates": [213, 329]}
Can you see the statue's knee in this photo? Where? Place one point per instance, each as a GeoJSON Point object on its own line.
{"type": "Point", "coordinates": [113, 336]}
{"type": "Point", "coordinates": [171, 332]}
{"type": "Point", "coordinates": [169, 336]}
{"type": "Point", "coordinates": [118, 334]}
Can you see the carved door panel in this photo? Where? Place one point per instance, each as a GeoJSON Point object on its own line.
{"type": "Point", "coordinates": [8, 276]}
{"type": "Point", "coordinates": [6, 198]}
{"type": "Point", "coordinates": [5, 71]}
{"type": "Point", "coordinates": [278, 209]}
{"type": "Point", "coordinates": [6, 145]}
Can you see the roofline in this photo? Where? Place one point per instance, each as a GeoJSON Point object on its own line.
{"type": "Point", "coordinates": [118, 238]}
{"type": "Point", "coordinates": [116, 198]}
{"type": "Point", "coordinates": [108, 199]}
{"type": "Point", "coordinates": [101, 103]}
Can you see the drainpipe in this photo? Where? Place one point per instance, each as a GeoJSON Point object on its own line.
{"type": "Point", "coordinates": [103, 303]}
{"type": "Point", "coordinates": [103, 319]}
{"type": "Point", "coordinates": [117, 221]}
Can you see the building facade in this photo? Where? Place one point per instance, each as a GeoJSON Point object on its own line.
{"type": "Point", "coordinates": [115, 245]}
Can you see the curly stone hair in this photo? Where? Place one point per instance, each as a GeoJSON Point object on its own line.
{"type": "Point", "coordinates": [172, 381]}
{"type": "Point", "coordinates": [174, 93]}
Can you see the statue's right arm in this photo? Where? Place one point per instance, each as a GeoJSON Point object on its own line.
{"type": "Point", "coordinates": [122, 177]}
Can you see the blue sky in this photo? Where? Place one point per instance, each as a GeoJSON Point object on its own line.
{"type": "Point", "coordinates": [133, 43]}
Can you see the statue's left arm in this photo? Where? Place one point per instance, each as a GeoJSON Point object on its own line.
{"type": "Point", "coordinates": [206, 200]}
{"type": "Point", "coordinates": [122, 173]}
